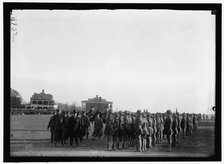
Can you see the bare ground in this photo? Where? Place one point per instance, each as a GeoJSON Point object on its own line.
{"type": "Point", "coordinates": [198, 144]}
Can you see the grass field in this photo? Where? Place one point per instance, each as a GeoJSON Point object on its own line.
{"type": "Point", "coordinates": [28, 127]}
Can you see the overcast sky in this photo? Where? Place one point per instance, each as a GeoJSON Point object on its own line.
{"type": "Point", "coordinates": [148, 59]}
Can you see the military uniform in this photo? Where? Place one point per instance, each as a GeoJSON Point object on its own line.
{"type": "Point", "coordinates": [183, 125]}
{"type": "Point", "coordinates": [51, 127]}
{"type": "Point", "coordinates": [150, 132]}
{"type": "Point", "coordinates": [168, 128]}
{"type": "Point", "coordinates": [154, 126]}
{"type": "Point", "coordinates": [120, 129]}
{"type": "Point", "coordinates": [145, 133]}
{"type": "Point", "coordinates": [195, 123]}
{"type": "Point", "coordinates": [109, 130]}
{"type": "Point", "coordinates": [71, 128]}
{"type": "Point", "coordinates": [98, 128]}
{"type": "Point", "coordinates": [138, 131]}
{"type": "Point", "coordinates": [57, 129]}
{"type": "Point", "coordinates": [174, 130]}
{"type": "Point", "coordinates": [115, 134]}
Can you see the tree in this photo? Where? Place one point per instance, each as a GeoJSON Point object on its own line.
{"type": "Point", "coordinates": [15, 99]}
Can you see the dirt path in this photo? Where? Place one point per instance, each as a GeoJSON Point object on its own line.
{"type": "Point", "coordinates": [199, 144]}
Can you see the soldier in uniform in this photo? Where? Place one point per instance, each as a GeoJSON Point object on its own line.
{"type": "Point", "coordinates": [98, 127]}
{"type": "Point", "coordinates": [183, 125]}
{"type": "Point", "coordinates": [132, 129]}
{"type": "Point", "coordinates": [78, 131]}
{"type": "Point", "coordinates": [126, 130]}
{"type": "Point", "coordinates": [66, 125]}
{"type": "Point", "coordinates": [162, 127]}
{"type": "Point", "coordinates": [145, 133]}
{"type": "Point", "coordinates": [195, 123]}
{"type": "Point", "coordinates": [57, 128]}
{"type": "Point", "coordinates": [174, 130]}
{"type": "Point", "coordinates": [150, 132]}
{"type": "Point", "coordinates": [188, 128]}
{"type": "Point", "coordinates": [120, 129]}
{"type": "Point", "coordinates": [115, 134]}
{"type": "Point", "coordinates": [64, 128]}
{"type": "Point", "coordinates": [178, 127]}
{"type": "Point", "coordinates": [71, 127]}
{"type": "Point", "coordinates": [138, 130]}
{"type": "Point", "coordinates": [158, 127]}
{"type": "Point", "coordinates": [168, 128]}
{"type": "Point", "coordinates": [109, 131]}
{"type": "Point", "coordinates": [51, 126]}
{"type": "Point", "coordinates": [85, 124]}
{"type": "Point", "coordinates": [154, 126]}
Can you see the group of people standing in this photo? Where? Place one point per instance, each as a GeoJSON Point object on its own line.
{"type": "Point", "coordinates": [72, 125]}
{"type": "Point", "coordinates": [124, 129]}
{"type": "Point", "coordinates": [144, 130]}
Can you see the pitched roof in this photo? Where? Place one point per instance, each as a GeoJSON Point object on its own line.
{"type": "Point", "coordinates": [97, 99]}
{"type": "Point", "coordinates": [14, 93]}
{"type": "Point", "coordinates": [42, 95]}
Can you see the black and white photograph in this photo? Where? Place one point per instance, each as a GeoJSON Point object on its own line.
{"type": "Point", "coordinates": [113, 82]}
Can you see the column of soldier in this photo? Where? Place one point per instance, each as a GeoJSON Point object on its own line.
{"type": "Point", "coordinates": [124, 129]}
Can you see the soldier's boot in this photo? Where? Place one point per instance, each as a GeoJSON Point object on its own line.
{"type": "Point", "coordinates": [174, 140]}
{"type": "Point", "coordinates": [114, 145]}
{"type": "Point", "coordinates": [170, 142]}
{"type": "Point", "coordinates": [137, 145]}
{"type": "Point", "coordinates": [161, 136]}
{"type": "Point", "coordinates": [124, 145]}
{"type": "Point", "coordinates": [140, 145]}
{"type": "Point", "coordinates": [143, 144]}
{"type": "Point", "coordinates": [117, 145]}
{"type": "Point", "coordinates": [110, 146]}
{"type": "Point", "coordinates": [150, 142]}
{"type": "Point", "coordinates": [154, 139]}
{"type": "Point", "coordinates": [128, 143]}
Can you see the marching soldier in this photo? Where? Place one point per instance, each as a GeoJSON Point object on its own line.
{"type": "Point", "coordinates": [188, 125]}
{"type": "Point", "coordinates": [109, 131]}
{"type": "Point", "coordinates": [85, 124]}
{"type": "Point", "coordinates": [145, 133]}
{"type": "Point", "coordinates": [150, 130]}
{"type": "Point", "coordinates": [154, 125]}
{"type": "Point", "coordinates": [120, 129]}
{"type": "Point", "coordinates": [71, 127]}
{"type": "Point", "coordinates": [178, 127]}
{"type": "Point", "coordinates": [162, 127]}
{"type": "Point", "coordinates": [195, 122]}
{"type": "Point", "coordinates": [51, 126]}
{"type": "Point", "coordinates": [115, 134]}
{"type": "Point", "coordinates": [138, 130]}
{"type": "Point", "coordinates": [98, 127]}
{"type": "Point", "coordinates": [168, 128]}
{"type": "Point", "coordinates": [183, 125]}
{"type": "Point", "coordinates": [174, 130]}
{"type": "Point", "coordinates": [158, 128]}
{"type": "Point", "coordinates": [132, 129]}
{"type": "Point", "coordinates": [64, 128]}
{"type": "Point", "coordinates": [57, 128]}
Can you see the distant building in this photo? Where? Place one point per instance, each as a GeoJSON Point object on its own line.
{"type": "Point", "coordinates": [97, 103]}
{"type": "Point", "coordinates": [41, 101]}
{"type": "Point", "coordinates": [15, 99]}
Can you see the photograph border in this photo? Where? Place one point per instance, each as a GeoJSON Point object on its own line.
{"type": "Point", "coordinates": [215, 8]}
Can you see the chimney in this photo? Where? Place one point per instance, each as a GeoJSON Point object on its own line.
{"type": "Point", "coordinates": [100, 98]}
{"type": "Point", "coordinates": [43, 90]}
{"type": "Point", "coordinates": [97, 96]}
